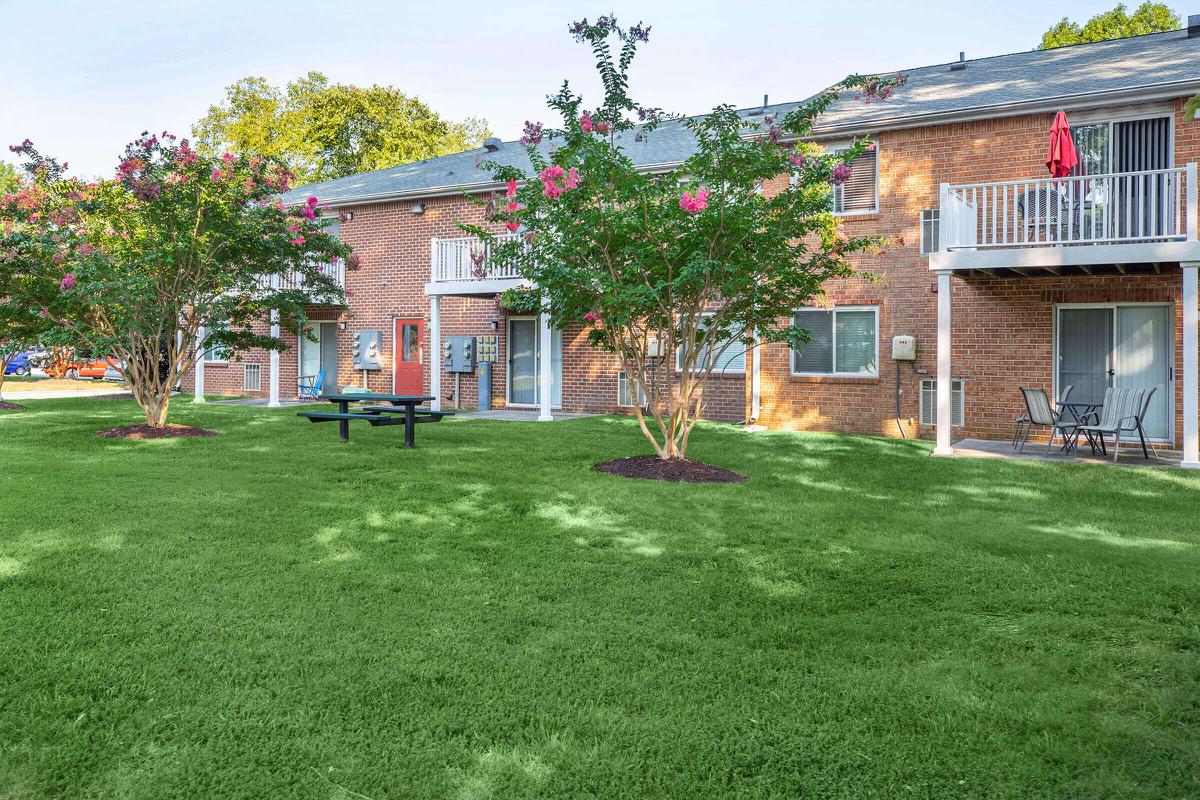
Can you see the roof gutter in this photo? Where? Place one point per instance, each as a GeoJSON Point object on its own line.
{"type": "Point", "coordinates": [1087, 100]}
{"type": "Point", "coordinates": [447, 191]}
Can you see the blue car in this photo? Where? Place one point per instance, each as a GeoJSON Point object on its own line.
{"type": "Point", "coordinates": [21, 364]}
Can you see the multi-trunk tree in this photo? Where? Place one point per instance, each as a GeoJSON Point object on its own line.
{"type": "Point", "coordinates": [176, 254]}
{"type": "Point", "coordinates": [674, 270]}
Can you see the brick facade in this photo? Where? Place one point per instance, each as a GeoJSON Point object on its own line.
{"type": "Point", "coordinates": [1002, 326]}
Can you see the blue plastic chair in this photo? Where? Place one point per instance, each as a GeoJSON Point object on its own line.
{"type": "Point", "coordinates": [311, 385]}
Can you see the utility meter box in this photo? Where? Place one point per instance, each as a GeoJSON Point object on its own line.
{"type": "Point", "coordinates": [367, 350]}
{"type": "Point", "coordinates": [904, 348]}
{"type": "Point", "coordinates": [654, 347]}
{"type": "Point", "coordinates": [458, 354]}
{"type": "Point", "coordinates": [486, 349]}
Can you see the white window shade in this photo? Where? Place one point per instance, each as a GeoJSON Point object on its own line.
{"type": "Point", "coordinates": [858, 194]}
{"type": "Point", "coordinates": [855, 336]}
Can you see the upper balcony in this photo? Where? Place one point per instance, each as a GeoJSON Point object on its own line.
{"type": "Point", "coordinates": [464, 266]}
{"type": "Point", "coordinates": [336, 271]}
{"type": "Point", "coordinates": [1070, 224]}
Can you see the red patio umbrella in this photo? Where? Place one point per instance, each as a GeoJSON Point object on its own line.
{"type": "Point", "coordinates": [1062, 158]}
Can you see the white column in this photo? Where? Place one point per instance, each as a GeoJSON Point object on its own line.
{"type": "Point", "coordinates": [1191, 362]}
{"type": "Point", "coordinates": [273, 394]}
{"type": "Point", "coordinates": [435, 357]}
{"type": "Point", "coordinates": [546, 354]}
{"type": "Point", "coordinates": [944, 419]}
{"type": "Point", "coordinates": [198, 371]}
{"type": "Point", "coordinates": [756, 379]}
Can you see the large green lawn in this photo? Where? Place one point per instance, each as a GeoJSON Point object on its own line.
{"type": "Point", "coordinates": [271, 614]}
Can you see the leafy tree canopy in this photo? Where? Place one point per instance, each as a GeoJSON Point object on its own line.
{"type": "Point", "coordinates": [178, 253]}
{"type": "Point", "coordinates": [322, 130]}
{"type": "Point", "coordinates": [10, 178]}
{"type": "Point", "coordinates": [1116, 24]}
{"type": "Point", "coordinates": [673, 271]}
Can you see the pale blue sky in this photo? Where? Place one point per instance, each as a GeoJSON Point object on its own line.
{"type": "Point", "coordinates": [83, 78]}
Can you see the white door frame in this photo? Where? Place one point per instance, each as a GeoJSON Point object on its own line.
{"type": "Point", "coordinates": [508, 372]}
{"type": "Point", "coordinates": [1058, 307]}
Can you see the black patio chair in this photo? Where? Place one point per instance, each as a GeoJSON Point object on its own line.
{"type": "Point", "coordinates": [1041, 414]}
{"type": "Point", "coordinates": [1122, 413]}
{"type": "Point", "coordinates": [1023, 420]}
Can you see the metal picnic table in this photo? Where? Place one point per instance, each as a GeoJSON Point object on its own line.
{"type": "Point", "coordinates": [377, 415]}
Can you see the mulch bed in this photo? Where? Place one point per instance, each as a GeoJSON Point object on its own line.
{"type": "Point", "coordinates": [146, 432]}
{"type": "Point", "coordinates": [677, 470]}
{"type": "Point", "coordinates": [6, 406]}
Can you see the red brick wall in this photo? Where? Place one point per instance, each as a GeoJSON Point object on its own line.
{"type": "Point", "coordinates": [1002, 325]}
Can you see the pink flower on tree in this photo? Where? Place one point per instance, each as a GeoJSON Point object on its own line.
{"type": "Point", "coordinates": [592, 316]}
{"type": "Point", "coordinates": [694, 203]}
{"type": "Point", "coordinates": [557, 180]}
{"type": "Point", "coordinates": [513, 207]}
{"type": "Point", "coordinates": [510, 189]}
{"type": "Point", "coordinates": [68, 282]}
{"type": "Point", "coordinates": [585, 122]}
{"type": "Point", "coordinates": [841, 174]}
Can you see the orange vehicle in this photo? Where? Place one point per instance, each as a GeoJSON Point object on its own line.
{"type": "Point", "coordinates": [64, 363]}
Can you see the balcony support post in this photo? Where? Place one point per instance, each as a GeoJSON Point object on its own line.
{"type": "Point", "coordinates": [1193, 213]}
{"type": "Point", "coordinates": [273, 388]}
{"type": "Point", "coordinates": [198, 371]}
{"type": "Point", "coordinates": [945, 421]}
{"type": "Point", "coordinates": [435, 351]}
{"type": "Point", "coordinates": [1191, 364]}
{"type": "Point", "coordinates": [545, 382]}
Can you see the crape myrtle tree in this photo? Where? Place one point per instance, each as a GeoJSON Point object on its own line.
{"type": "Point", "coordinates": [672, 270]}
{"type": "Point", "coordinates": [177, 254]}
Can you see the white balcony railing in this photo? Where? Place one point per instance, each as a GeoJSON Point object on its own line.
{"type": "Point", "coordinates": [1117, 208]}
{"type": "Point", "coordinates": [336, 271]}
{"type": "Point", "coordinates": [469, 259]}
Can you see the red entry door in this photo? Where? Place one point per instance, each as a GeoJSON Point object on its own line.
{"type": "Point", "coordinates": [408, 337]}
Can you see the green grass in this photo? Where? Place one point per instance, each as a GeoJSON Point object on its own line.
{"type": "Point", "coordinates": [271, 614]}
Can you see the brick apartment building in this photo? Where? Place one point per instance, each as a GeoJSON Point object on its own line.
{"type": "Point", "coordinates": [1005, 277]}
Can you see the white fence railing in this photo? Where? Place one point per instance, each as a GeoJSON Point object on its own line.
{"type": "Point", "coordinates": [1116, 208]}
{"type": "Point", "coordinates": [467, 258]}
{"type": "Point", "coordinates": [336, 271]}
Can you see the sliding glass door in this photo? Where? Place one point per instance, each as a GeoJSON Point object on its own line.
{"type": "Point", "coordinates": [524, 363]}
{"type": "Point", "coordinates": [1127, 346]}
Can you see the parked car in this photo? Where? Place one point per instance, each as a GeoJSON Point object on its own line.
{"type": "Point", "coordinates": [115, 371]}
{"type": "Point", "coordinates": [81, 366]}
{"type": "Point", "coordinates": [22, 363]}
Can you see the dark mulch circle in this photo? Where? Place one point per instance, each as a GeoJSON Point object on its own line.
{"type": "Point", "coordinates": [6, 406]}
{"type": "Point", "coordinates": [146, 432]}
{"type": "Point", "coordinates": [676, 470]}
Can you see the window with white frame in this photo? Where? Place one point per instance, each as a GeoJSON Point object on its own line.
{"type": "Point", "coordinates": [859, 194]}
{"type": "Point", "coordinates": [625, 396]}
{"type": "Point", "coordinates": [845, 341]}
{"type": "Point", "coordinates": [929, 230]}
{"type": "Point", "coordinates": [726, 356]}
{"type": "Point", "coordinates": [214, 353]}
{"type": "Point", "coordinates": [929, 402]}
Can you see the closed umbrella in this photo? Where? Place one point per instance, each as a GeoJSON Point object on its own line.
{"type": "Point", "coordinates": [1062, 158]}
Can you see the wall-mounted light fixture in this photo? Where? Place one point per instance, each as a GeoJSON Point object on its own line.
{"type": "Point", "coordinates": [346, 216]}
{"type": "Point", "coordinates": [341, 326]}
{"type": "Point", "coordinates": [417, 208]}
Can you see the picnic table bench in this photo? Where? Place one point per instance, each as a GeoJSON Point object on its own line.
{"type": "Point", "coordinates": [396, 409]}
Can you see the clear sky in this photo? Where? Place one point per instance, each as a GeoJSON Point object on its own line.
{"type": "Point", "coordinates": [83, 78]}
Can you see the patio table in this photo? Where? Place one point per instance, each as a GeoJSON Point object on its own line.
{"type": "Point", "coordinates": [1080, 410]}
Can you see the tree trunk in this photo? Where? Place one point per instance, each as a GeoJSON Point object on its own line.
{"type": "Point", "coordinates": [156, 410]}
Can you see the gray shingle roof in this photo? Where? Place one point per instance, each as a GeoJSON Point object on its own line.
{"type": "Point", "coordinates": [1168, 61]}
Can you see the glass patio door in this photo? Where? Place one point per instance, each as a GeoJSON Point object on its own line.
{"type": "Point", "coordinates": [1123, 346]}
{"type": "Point", "coordinates": [1142, 360]}
{"type": "Point", "coordinates": [524, 355]}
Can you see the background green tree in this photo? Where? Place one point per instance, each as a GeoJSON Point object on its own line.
{"type": "Point", "coordinates": [322, 130]}
{"type": "Point", "coordinates": [1116, 24]}
{"type": "Point", "coordinates": [180, 253]}
{"type": "Point", "coordinates": [10, 178]}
